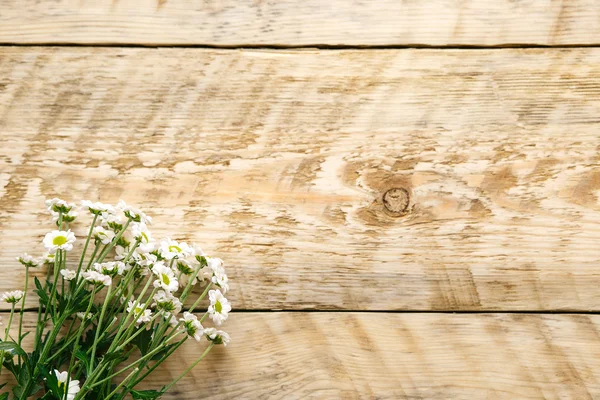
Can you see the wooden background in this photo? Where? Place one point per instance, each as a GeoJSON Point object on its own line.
{"type": "Point", "coordinates": [406, 194]}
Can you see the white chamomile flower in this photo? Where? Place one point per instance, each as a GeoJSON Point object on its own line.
{"type": "Point", "coordinates": [219, 276]}
{"type": "Point", "coordinates": [214, 263]}
{"type": "Point", "coordinates": [59, 240]}
{"type": "Point", "coordinates": [170, 249]}
{"type": "Point", "coordinates": [56, 205]}
{"type": "Point", "coordinates": [29, 261]}
{"type": "Point", "coordinates": [192, 326]}
{"type": "Point", "coordinates": [73, 388]}
{"type": "Point", "coordinates": [111, 220]}
{"type": "Point", "coordinates": [110, 268]}
{"type": "Point", "coordinates": [172, 320]}
{"type": "Point", "coordinates": [121, 253]}
{"type": "Point", "coordinates": [166, 277]}
{"type": "Point", "coordinates": [82, 315]}
{"type": "Point", "coordinates": [105, 236]}
{"type": "Point", "coordinates": [140, 312]}
{"type": "Point", "coordinates": [48, 258]}
{"type": "Point", "coordinates": [141, 233]}
{"type": "Point", "coordinates": [217, 336]}
{"type": "Point", "coordinates": [134, 214]}
{"type": "Point", "coordinates": [197, 251]}
{"type": "Point", "coordinates": [12, 297]}
{"type": "Point", "coordinates": [205, 274]}
{"type": "Point", "coordinates": [96, 278]}
{"type": "Point", "coordinates": [165, 301]}
{"type": "Point", "coordinates": [147, 260]}
{"type": "Point", "coordinates": [68, 274]}
{"type": "Point", "coordinates": [221, 280]}
{"type": "Point", "coordinates": [122, 268]}
{"type": "Point", "coordinates": [185, 267]}
{"type": "Point", "coordinates": [66, 217]}
{"type": "Point", "coordinates": [219, 307]}
{"type": "Point", "coordinates": [96, 208]}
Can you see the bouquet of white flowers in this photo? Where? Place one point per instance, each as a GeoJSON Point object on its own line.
{"type": "Point", "coordinates": [109, 318]}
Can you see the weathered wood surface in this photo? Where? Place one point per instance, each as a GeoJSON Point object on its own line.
{"type": "Point", "coordinates": [301, 23]}
{"type": "Point", "coordinates": [278, 162]}
{"type": "Point", "coordinates": [395, 356]}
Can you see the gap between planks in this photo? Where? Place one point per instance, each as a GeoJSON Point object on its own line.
{"type": "Point", "coordinates": [340, 311]}
{"type": "Point", "coordinates": [315, 46]}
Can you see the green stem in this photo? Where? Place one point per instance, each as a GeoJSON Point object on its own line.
{"type": "Point", "coordinates": [148, 355]}
{"type": "Point", "coordinates": [39, 326]}
{"type": "Point", "coordinates": [124, 322]}
{"type": "Point", "coordinates": [186, 291]}
{"type": "Point", "coordinates": [132, 323]}
{"type": "Point", "coordinates": [135, 246]}
{"type": "Point", "coordinates": [81, 328]}
{"type": "Point", "coordinates": [54, 283]}
{"type": "Point", "coordinates": [10, 318]}
{"type": "Point", "coordinates": [42, 323]}
{"type": "Point", "coordinates": [85, 246]}
{"type": "Point", "coordinates": [113, 242]}
{"type": "Point", "coordinates": [130, 338]}
{"type": "Point", "coordinates": [98, 328]}
{"type": "Point", "coordinates": [23, 308]}
{"type": "Point", "coordinates": [160, 361]}
{"type": "Point", "coordinates": [96, 247]}
{"type": "Point", "coordinates": [203, 317]}
{"type": "Point", "coordinates": [210, 346]}
{"type": "Point", "coordinates": [163, 325]}
{"type": "Point", "coordinates": [200, 298]}
{"type": "Point", "coordinates": [67, 342]}
{"type": "Point", "coordinates": [111, 394]}
{"type": "Point", "coordinates": [125, 260]}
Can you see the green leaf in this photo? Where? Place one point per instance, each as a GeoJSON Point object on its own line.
{"type": "Point", "coordinates": [13, 348]}
{"type": "Point", "coordinates": [113, 355]}
{"type": "Point", "coordinates": [164, 351]}
{"type": "Point", "coordinates": [80, 354]}
{"type": "Point", "coordinates": [41, 292]}
{"type": "Point", "coordinates": [18, 391]}
{"type": "Point", "coordinates": [4, 396]}
{"type": "Point", "coordinates": [12, 367]}
{"type": "Point", "coordinates": [143, 340]}
{"type": "Point", "coordinates": [145, 394]}
{"type": "Point", "coordinates": [38, 284]}
{"type": "Point", "coordinates": [24, 376]}
{"type": "Point", "coordinates": [51, 383]}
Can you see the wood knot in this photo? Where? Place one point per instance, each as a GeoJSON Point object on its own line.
{"type": "Point", "coordinates": [396, 200]}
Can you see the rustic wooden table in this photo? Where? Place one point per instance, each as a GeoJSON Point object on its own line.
{"type": "Point", "coordinates": [406, 194]}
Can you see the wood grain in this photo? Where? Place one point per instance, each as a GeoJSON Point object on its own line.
{"type": "Point", "coordinates": [301, 23]}
{"type": "Point", "coordinates": [395, 356]}
{"type": "Point", "coordinates": [279, 162]}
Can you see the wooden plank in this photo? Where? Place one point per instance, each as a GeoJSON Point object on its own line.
{"type": "Point", "coordinates": [305, 23]}
{"type": "Point", "coordinates": [392, 356]}
{"type": "Point", "coordinates": [279, 162]}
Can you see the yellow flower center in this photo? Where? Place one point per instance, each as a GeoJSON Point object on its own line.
{"type": "Point", "coordinates": [59, 240]}
{"type": "Point", "coordinates": [166, 279]}
{"type": "Point", "coordinates": [175, 248]}
{"type": "Point", "coordinates": [218, 306]}
{"type": "Point", "coordinates": [145, 237]}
